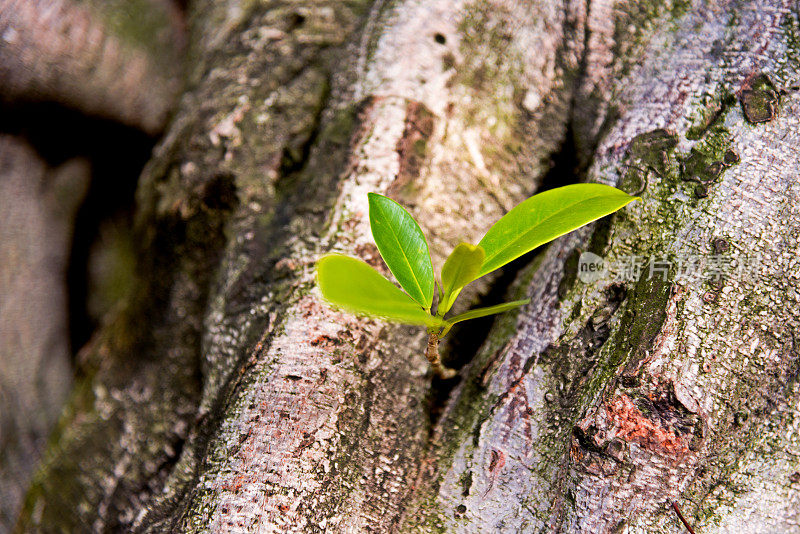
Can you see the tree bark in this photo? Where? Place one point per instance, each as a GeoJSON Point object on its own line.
{"type": "Point", "coordinates": [115, 59]}
{"type": "Point", "coordinates": [37, 208]}
{"type": "Point", "coordinates": [227, 379]}
{"type": "Point", "coordinates": [226, 397]}
{"type": "Point", "coordinates": [612, 399]}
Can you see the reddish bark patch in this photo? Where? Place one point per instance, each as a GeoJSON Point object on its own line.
{"type": "Point", "coordinates": [285, 265]}
{"type": "Point", "coordinates": [325, 341]}
{"type": "Point", "coordinates": [413, 145]}
{"type": "Point", "coordinates": [310, 307]}
{"type": "Point", "coordinates": [497, 460]}
{"type": "Point", "coordinates": [632, 425]}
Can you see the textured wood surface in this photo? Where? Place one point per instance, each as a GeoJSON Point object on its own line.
{"type": "Point", "coordinates": [613, 399]}
{"type": "Point", "coordinates": [325, 427]}
{"type": "Point", "coordinates": [289, 122]}
{"type": "Point", "coordinates": [228, 398]}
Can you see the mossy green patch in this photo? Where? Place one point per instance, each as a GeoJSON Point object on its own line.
{"type": "Point", "coordinates": [760, 101]}
{"type": "Point", "coordinates": [650, 153]}
{"type": "Point", "coordinates": [341, 126]}
{"type": "Point", "coordinates": [111, 269]}
{"type": "Point", "coordinates": [706, 160]}
{"type": "Point", "coordinates": [654, 152]}
{"type": "Point", "coordinates": [489, 62]}
{"type": "Point", "coordinates": [654, 148]}
{"type": "Point", "coordinates": [710, 111]}
{"type": "Point", "coordinates": [81, 403]}
{"type": "Point", "coordinates": [790, 65]}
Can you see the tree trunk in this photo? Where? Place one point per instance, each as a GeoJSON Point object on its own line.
{"type": "Point", "coordinates": [227, 397]}
{"type": "Point", "coordinates": [613, 398]}
{"type": "Point", "coordinates": [37, 205]}
{"type": "Point", "coordinates": [114, 59]}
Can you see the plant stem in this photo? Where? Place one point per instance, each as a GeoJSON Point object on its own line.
{"type": "Point", "coordinates": [432, 353]}
{"type": "Point", "coordinates": [680, 516]}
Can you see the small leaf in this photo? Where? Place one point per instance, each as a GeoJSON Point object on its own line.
{"type": "Point", "coordinates": [546, 216]}
{"type": "Point", "coordinates": [403, 247]}
{"type": "Point", "coordinates": [483, 312]}
{"type": "Point", "coordinates": [355, 286]}
{"type": "Point", "coordinates": [461, 268]}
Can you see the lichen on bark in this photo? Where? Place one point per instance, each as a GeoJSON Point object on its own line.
{"type": "Point", "coordinates": [603, 412]}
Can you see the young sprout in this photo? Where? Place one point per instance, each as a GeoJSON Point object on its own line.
{"type": "Point", "coordinates": [351, 284]}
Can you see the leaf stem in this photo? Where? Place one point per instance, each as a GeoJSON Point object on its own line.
{"type": "Point", "coordinates": [432, 353]}
{"type": "Point", "coordinates": [680, 516]}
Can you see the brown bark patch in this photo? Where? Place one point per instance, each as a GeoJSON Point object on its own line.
{"type": "Point", "coordinates": [497, 460]}
{"type": "Point", "coordinates": [759, 99]}
{"type": "Point", "coordinates": [325, 341]}
{"type": "Point", "coordinates": [412, 146]}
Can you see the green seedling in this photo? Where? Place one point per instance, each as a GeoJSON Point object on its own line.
{"type": "Point", "coordinates": [351, 284]}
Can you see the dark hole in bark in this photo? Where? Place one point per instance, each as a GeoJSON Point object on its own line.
{"type": "Point", "coordinates": [116, 154]}
{"type": "Point", "coordinates": [296, 20]}
{"type": "Point", "coordinates": [439, 38]}
{"type": "Point", "coordinates": [220, 193]}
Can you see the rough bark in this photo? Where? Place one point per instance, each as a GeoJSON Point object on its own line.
{"type": "Point", "coordinates": [37, 208]}
{"type": "Point", "coordinates": [226, 395]}
{"type": "Point", "coordinates": [602, 403]}
{"type": "Point", "coordinates": [227, 398]}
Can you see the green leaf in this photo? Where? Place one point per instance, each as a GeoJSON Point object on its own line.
{"type": "Point", "coordinates": [546, 216]}
{"type": "Point", "coordinates": [353, 285]}
{"type": "Point", "coordinates": [483, 312]}
{"type": "Point", "coordinates": [461, 268]}
{"type": "Point", "coordinates": [403, 247]}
